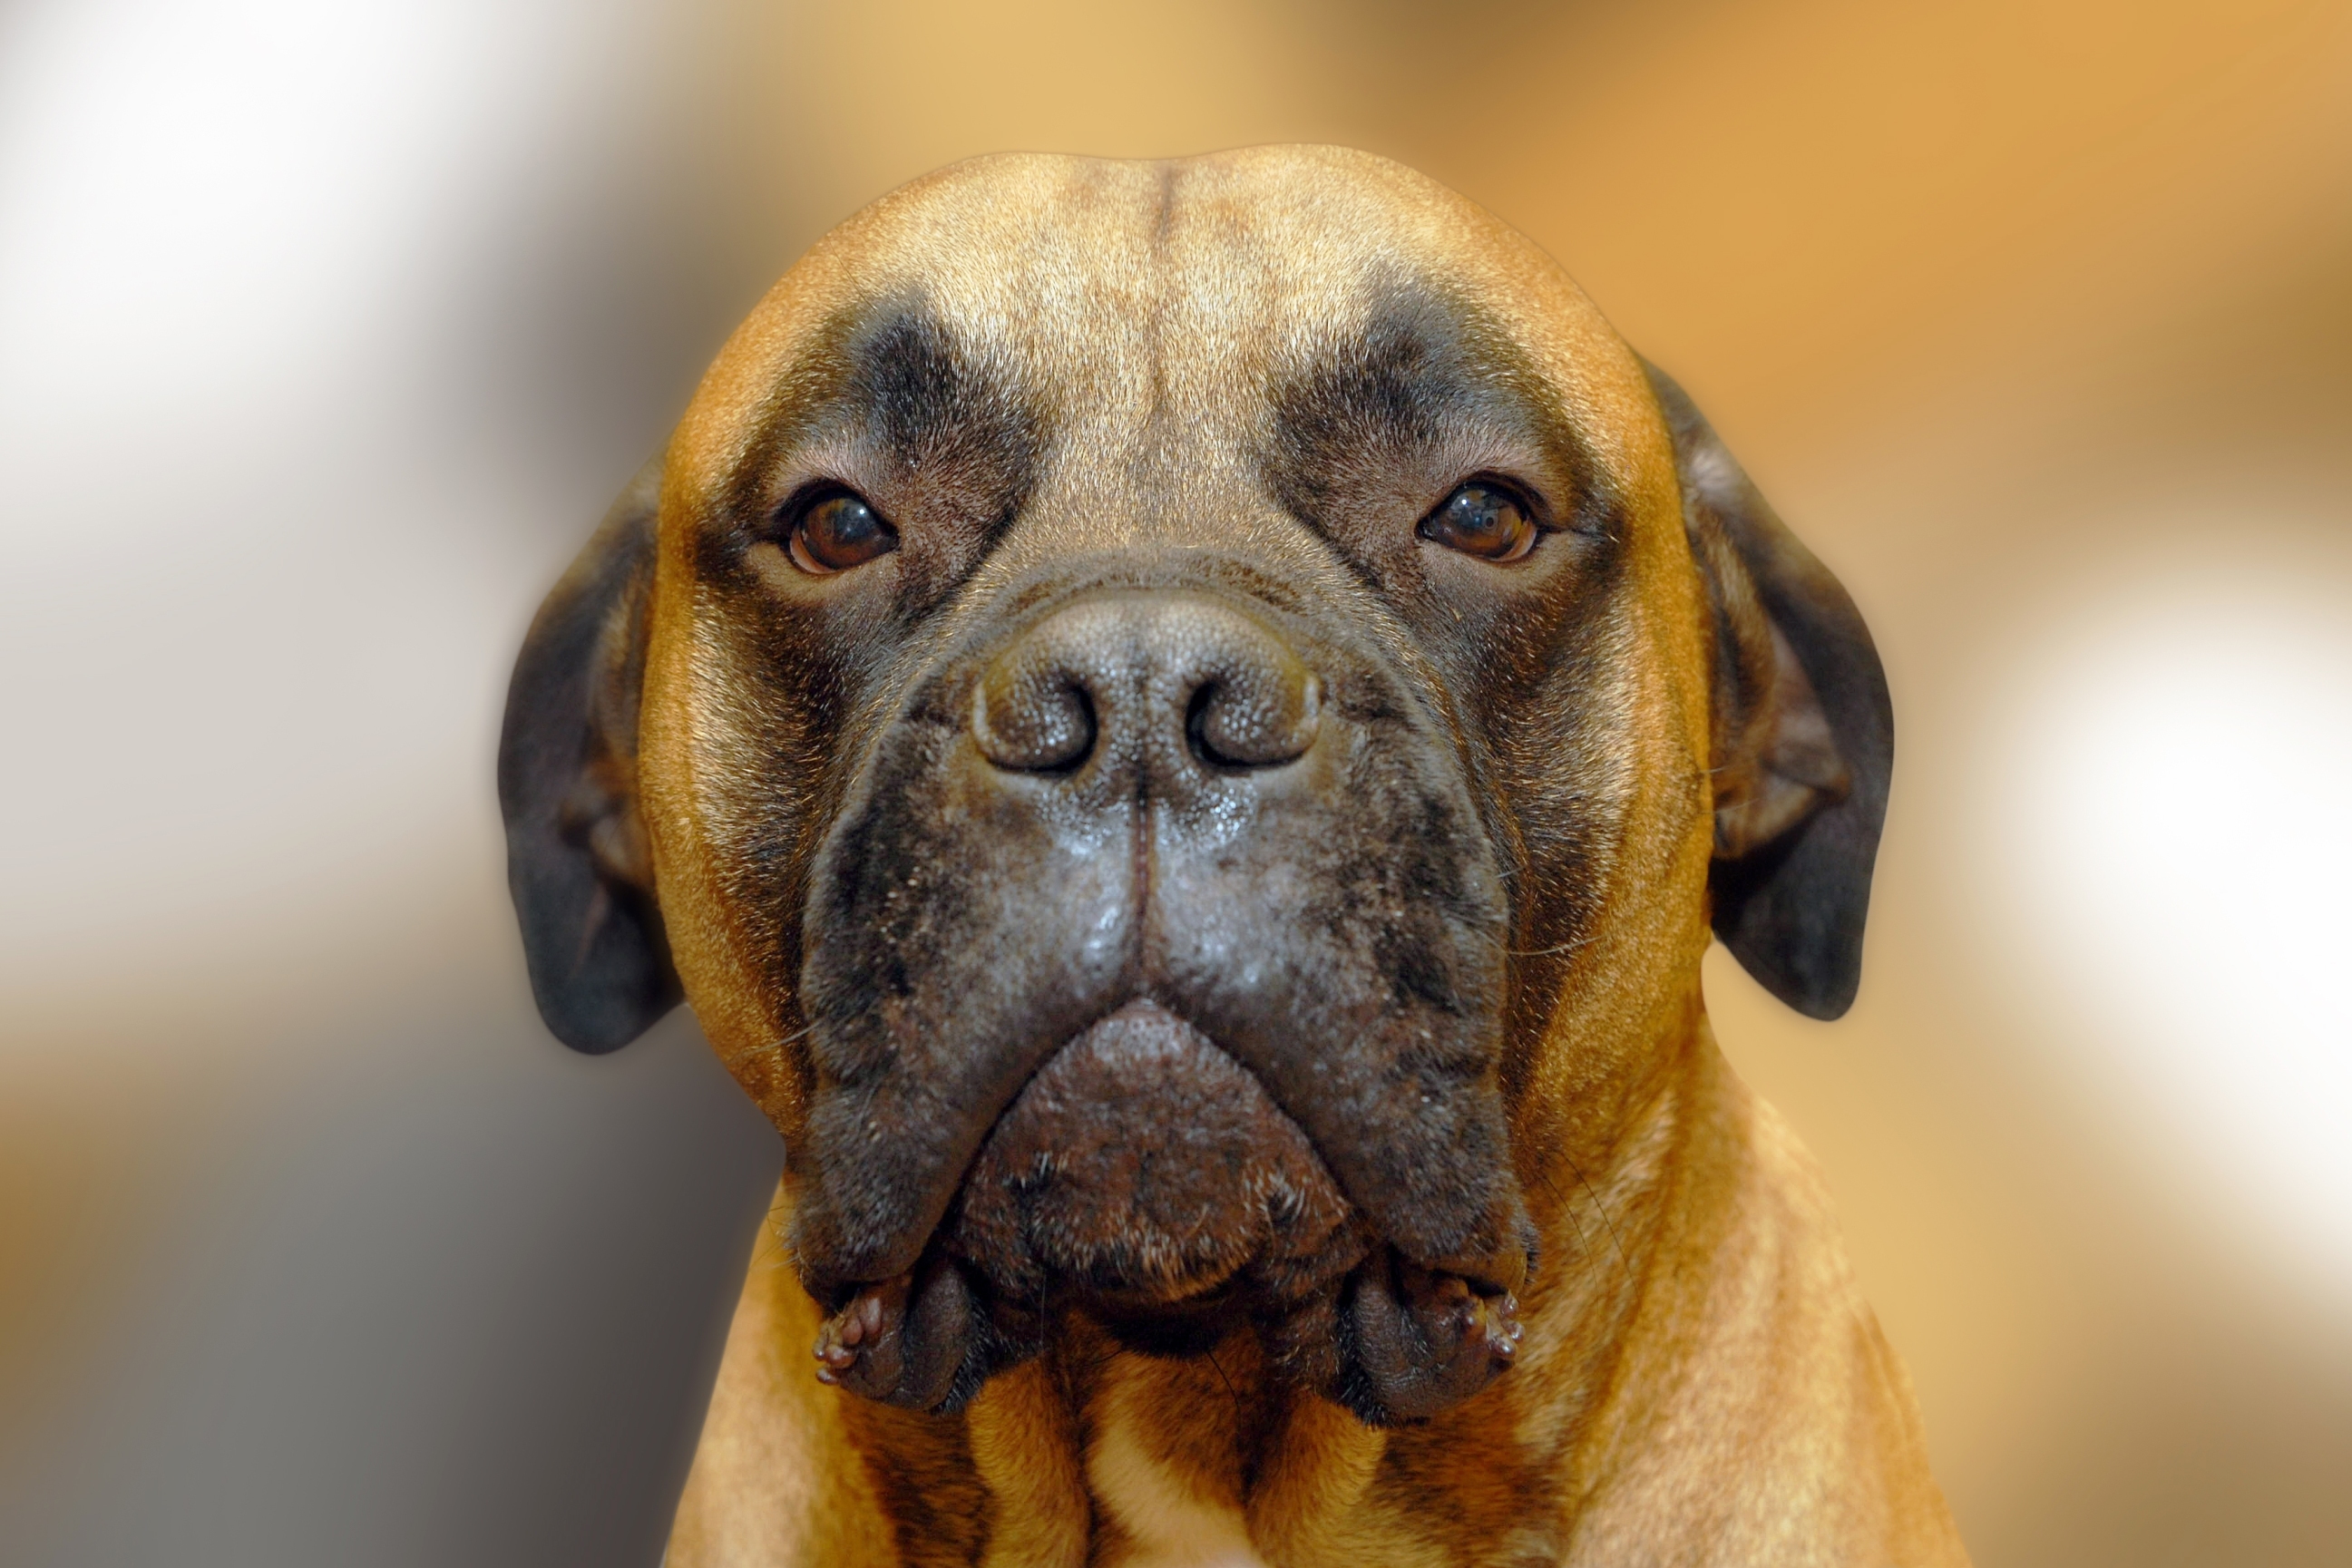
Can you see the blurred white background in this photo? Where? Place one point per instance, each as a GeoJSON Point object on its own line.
{"type": "Point", "coordinates": [326, 333]}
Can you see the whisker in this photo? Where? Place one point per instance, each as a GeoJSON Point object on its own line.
{"type": "Point", "coordinates": [1228, 1383]}
{"type": "Point", "coordinates": [1535, 952]}
{"type": "Point", "coordinates": [776, 1047]}
{"type": "Point", "coordinates": [1547, 952]}
{"type": "Point", "coordinates": [1544, 953]}
{"type": "Point", "coordinates": [1583, 1247]}
{"type": "Point", "coordinates": [1605, 1224]}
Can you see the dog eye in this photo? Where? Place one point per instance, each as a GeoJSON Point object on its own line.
{"type": "Point", "coordinates": [1483, 520]}
{"type": "Point", "coordinates": [839, 531]}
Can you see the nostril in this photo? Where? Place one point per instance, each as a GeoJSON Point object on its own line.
{"type": "Point", "coordinates": [1127, 675]}
{"type": "Point", "coordinates": [1258, 719]}
{"type": "Point", "coordinates": [1196, 725]}
{"type": "Point", "coordinates": [1033, 721]}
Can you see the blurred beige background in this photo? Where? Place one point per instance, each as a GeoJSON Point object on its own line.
{"type": "Point", "coordinates": [325, 333]}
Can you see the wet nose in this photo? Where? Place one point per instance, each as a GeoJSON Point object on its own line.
{"type": "Point", "coordinates": [1165, 675]}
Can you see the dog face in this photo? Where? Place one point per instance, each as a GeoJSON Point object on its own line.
{"type": "Point", "coordinates": [1178, 722]}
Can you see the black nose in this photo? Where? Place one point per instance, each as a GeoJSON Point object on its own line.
{"type": "Point", "coordinates": [1152, 676]}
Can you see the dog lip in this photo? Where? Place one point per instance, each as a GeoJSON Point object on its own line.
{"type": "Point", "coordinates": [1502, 1273]}
{"type": "Point", "coordinates": [1141, 1005]}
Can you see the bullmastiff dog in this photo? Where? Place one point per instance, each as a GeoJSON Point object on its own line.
{"type": "Point", "coordinates": [1183, 727]}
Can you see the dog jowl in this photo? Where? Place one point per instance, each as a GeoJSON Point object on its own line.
{"type": "Point", "coordinates": [1179, 739]}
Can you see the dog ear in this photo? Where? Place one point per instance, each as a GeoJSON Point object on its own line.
{"type": "Point", "coordinates": [1803, 732]}
{"type": "Point", "coordinates": [578, 863]}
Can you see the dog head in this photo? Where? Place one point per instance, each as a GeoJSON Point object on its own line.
{"type": "Point", "coordinates": [1180, 725]}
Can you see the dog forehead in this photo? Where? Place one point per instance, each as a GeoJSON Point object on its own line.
{"type": "Point", "coordinates": [1114, 291]}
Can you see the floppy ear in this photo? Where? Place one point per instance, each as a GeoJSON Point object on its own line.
{"type": "Point", "coordinates": [578, 863]}
{"type": "Point", "coordinates": [1804, 734]}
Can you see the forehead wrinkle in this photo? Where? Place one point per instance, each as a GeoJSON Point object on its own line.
{"type": "Point", "coordinates": [887, 386]}
{"type": "Point", "coordinates": [1353, 224]}
{"type": "Point", "coordinates": [1074, 284]}
{"type": "Point", "coordinates": [1103, 300]}
{"type": "Point", "coordinates": [1423, 376]}
{"type": "Point", "coordinates": [1161, 449]}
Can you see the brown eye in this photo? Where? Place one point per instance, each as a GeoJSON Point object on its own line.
{"type": "Point", "coordinates": [1483, 520]}
{"type": "Point", "coordinates": [838, 532]}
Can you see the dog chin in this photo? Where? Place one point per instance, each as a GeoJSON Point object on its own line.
{"type": "Point", "coordinates": [1143, 1172]}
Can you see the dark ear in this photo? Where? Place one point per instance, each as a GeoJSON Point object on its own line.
{"type": "Point", "coordinates": [577, 860]}
{"type": "Point", "coordinates": [1804, 734]}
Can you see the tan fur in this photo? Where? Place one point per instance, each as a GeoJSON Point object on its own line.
{"type": "Point", "coordinates": [776, 1463]}
{"type": "Point", "coordinates": [1700, 1383]}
